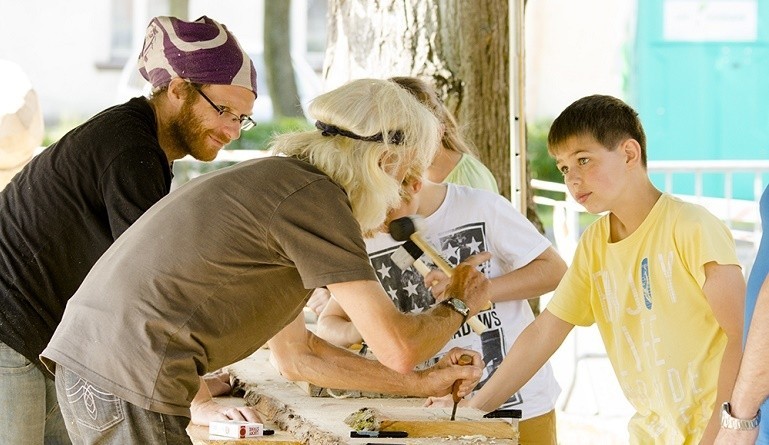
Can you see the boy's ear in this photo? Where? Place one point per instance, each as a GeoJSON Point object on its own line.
{"type": "Point", "coordinates": [632, 150]}
{"type": "Point", "coordinates": [416, 185]}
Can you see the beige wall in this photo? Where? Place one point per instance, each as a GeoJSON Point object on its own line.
{"type": "Point", "coordinates": [58, 44]}
{"type": "Point", "coordinates": [574, 48]}
{"type": "Point", "coordinates": [64, 45]}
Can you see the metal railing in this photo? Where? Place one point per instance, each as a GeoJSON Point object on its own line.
{"type": "Point", "coordinates": [740, 214]}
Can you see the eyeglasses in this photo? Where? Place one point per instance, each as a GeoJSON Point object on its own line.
{"type": "Point", "coordinates": [246, 123]}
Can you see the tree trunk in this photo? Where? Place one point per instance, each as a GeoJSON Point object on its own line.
{"type": "Point", "coordinates": [463, 46]}
{"type": "Point", "coordinates": [277, 59]}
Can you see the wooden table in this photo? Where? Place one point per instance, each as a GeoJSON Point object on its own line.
{"type": "Point", "coordinates": [299, 418]}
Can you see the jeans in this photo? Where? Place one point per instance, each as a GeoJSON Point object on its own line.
{"type": "Point", "coordinates": [95, 416]}
{"type": "Point", "coordinates": [28, 407]}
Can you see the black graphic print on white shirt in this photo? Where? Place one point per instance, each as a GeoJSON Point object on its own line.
{"type": "Point", "coordinates": [408, 292]}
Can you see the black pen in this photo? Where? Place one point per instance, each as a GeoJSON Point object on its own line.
{"type": "Point", "coordinates": [380, 434]}
{"type": "Point", "coordinates": [503, 414]}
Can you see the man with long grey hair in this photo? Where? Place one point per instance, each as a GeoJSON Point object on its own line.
{"type": "Point", "coordinates": [227, 262]}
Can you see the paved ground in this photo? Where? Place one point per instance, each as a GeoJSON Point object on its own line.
{"type": "Point", "coordinates": [591, 408]}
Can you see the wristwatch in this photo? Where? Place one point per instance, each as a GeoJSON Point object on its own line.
{"type": "Point", "coordinates": [457, 305]}
{"type": "Point", "coordinates": [733, 423]}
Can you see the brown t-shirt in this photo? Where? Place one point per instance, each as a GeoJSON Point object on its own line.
{"type": "Point", "coordinates": [207, 276]}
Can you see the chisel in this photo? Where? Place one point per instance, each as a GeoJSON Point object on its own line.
{"type": "Point", "coordinates": [463, 360]}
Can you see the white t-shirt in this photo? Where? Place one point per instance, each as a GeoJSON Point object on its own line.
{"type": "Point", "coordinates": [470, 221]}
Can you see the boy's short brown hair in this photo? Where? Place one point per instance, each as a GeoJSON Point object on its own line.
{"type": "Point", "coordinates": [607, 119]}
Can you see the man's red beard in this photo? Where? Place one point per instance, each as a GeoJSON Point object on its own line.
{"type": "Point", "coordinates": [188, 134]}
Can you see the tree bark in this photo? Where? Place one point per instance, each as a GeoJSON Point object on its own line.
{"type": "Point", "coordinates": [463, 46]}
{"type": "Point", "coordinates": [277, 59]}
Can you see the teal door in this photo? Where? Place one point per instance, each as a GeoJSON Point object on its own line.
{"type": "Point", "coordinates": [700, 83]}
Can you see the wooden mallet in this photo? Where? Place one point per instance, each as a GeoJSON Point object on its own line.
{"type": "Point", "coordinates": [407, 229]}
{"type": "Point", "coordinates": [407, 255]}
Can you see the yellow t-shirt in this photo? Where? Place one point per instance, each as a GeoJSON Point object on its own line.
{"type": "Point", "coordinates": [645, 295]}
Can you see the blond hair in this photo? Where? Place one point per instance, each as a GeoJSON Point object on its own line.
{"type": "Point", "coordinates": [369, 171]}
{"type": "Point", "coordinates": [451, 138]}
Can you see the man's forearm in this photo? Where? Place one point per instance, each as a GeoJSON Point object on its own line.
{"type": "Point", "coordinates": [419, 336]}
{"type": "Point", "coordinates": [752, 386]}
{"type": "Point", "coordinates": [402, 341]}
{"type": "Point", "coordinates": [328, 366]}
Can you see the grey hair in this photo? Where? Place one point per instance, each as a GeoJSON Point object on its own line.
{"type": "Point", "coordinates": [370, 172]}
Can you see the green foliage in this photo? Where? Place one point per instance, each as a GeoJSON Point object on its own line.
{"type": "Point", "coordinates": [258, 137]}
{"type": "Point", "coordinates": [542, 165]}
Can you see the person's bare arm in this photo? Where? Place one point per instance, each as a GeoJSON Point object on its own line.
{"type": "Point", "coordinates": [724, 289]}
{"type": "Point", "coordinates": [752, 386]}
{"type": "Point", "coordinates": [402, 341]}
{"type": "Point", "coordinates": [531, 350]}
{"type": "Point", "coordinates": [538, 277]}
{"type": "Point", "coordinates": [335, 326]}
{"type": "Point", "coordinates": [218, 382]}
{"type": "Point", "coordinates": [205, 409]}
{"type": "Point", "coordinates": [318, 300]}
{"type": "Point", "coordinates": [300, 355]}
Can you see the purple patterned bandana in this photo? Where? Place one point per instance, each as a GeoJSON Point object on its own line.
{"type": "Point", "coordinates": [203, 51]}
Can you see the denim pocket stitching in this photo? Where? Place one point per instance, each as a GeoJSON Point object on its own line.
{"type": "Point", "coordinates": [88, 400]}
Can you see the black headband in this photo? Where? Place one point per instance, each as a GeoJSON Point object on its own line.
{"type": "Point", "coordinates": [395, 137]}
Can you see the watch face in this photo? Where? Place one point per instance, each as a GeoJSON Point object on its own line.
{"type": "Point", "coordinates": [459, 305]}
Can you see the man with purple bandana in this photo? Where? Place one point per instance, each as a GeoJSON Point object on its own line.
{"type": "Point", "coordinates": [69, 204]}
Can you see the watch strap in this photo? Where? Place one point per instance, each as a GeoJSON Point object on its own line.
{"type": "Point", "coordinates": [733, 423]}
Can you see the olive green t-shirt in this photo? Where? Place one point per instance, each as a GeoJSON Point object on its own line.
{"type": "Point", "coordinates": [207, 276]}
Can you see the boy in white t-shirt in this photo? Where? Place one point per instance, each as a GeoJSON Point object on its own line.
{"type": "Point", "coordinates": [463, 221]}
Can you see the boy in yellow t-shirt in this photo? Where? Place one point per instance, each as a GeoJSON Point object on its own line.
{"type": "Point", "coordinates": [658, 276]}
